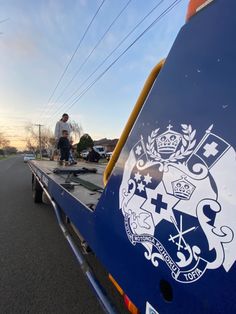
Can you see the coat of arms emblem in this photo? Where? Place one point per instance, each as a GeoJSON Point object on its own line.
{"type": "Point", "coordinates": [178, 200]}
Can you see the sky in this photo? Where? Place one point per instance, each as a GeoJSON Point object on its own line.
{"type": "Point", "coordinates": [40, 40]}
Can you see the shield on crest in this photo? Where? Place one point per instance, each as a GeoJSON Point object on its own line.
{"type": "Point", "coordinates": [173, 201]}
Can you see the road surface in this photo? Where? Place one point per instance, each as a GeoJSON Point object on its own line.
{"type": "Point", "coordinates": [38, 271]}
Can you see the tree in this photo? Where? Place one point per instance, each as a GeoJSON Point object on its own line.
{"type": "Point", "coordinates": [3, 141]}
{"type": "Point", "coordinates": [32, 137]}
{"type": "Point", "coordinates": [10, 150]}
{"type": "Point", "coordinates": [76, 131]}
{"type": "Point", "coordinates": [32, 140]}
{"type": "Point", "coordinates": [85, 142]}
{"type": "Point", "coordinates": [47, 138]}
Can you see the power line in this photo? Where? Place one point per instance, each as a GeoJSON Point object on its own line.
{"type": "Point", "coordinates": [165, 12]}
{"type": "Point", "coordinates": [75, 51]}
{"type": "Point", "coordinates": [94, 48]}
{"type": "Point", "coordinates": [110, 54]}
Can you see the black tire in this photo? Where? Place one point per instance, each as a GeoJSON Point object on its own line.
{"type": "Point", "coordinates": [37, 190]}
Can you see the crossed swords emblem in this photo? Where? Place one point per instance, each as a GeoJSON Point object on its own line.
{"type": "Point", "coordinates": [179, 236]}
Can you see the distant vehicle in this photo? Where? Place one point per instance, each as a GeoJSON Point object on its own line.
{"type": "Point", "coordinates": [45, 153]}
{"type": "Point", "coordinates": [28, 157]}
{"type": "Point", "coordinates": [108, 155]}
{"type": "Point", "coordinates": [84, 153]}
{"type": "Point", "coordinates": [101, 150]}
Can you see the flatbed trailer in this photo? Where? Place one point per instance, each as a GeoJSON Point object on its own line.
{"type": "Point", "coordinates": [82, 184]}
{"type": "Point", "coordinates": [163, 224]}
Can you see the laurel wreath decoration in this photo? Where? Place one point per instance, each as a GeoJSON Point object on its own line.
{"type": "Point", "coordinates": [150, 146]}
{"type": "Point", "coordinates": [188, 143]}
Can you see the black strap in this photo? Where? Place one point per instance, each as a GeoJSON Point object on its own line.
{"type": "Point", "coordinates": [74, 171]}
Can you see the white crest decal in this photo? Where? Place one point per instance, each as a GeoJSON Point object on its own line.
{"type": "Point", "coordinates": [178, 200]}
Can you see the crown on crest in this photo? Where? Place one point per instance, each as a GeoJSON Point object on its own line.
{"type": "Point", "coordinates": [182, 188]}
{"type": "Point", "coordinates": [168, 141]}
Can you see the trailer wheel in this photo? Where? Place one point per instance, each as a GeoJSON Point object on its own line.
{"type": "Point", "coordinates": [37, 190]}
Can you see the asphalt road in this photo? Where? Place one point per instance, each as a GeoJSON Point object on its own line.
{"type": "Point", "coordinates": [38, 271]}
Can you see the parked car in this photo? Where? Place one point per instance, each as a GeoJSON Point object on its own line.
{"type": "Point", "coordinates": [28, 157]}
{"type": "Point", "coordinates": [84, 153]}
{"type": "Point", "coordinates": [45, 153]}
{"type": "Point", "coordinates": [100, 150]}
{"type": "Point", "coordinates": [108, 155]}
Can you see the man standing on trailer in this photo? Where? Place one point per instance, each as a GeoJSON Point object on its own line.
{"type": "Point", "coordinates": [61, 125]}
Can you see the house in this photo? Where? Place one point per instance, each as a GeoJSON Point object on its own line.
{"type": "Point", "coordinates": [108, 144]}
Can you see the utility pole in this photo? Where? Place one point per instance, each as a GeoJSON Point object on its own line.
{"type": "Point", "coordinates": [40, 140]}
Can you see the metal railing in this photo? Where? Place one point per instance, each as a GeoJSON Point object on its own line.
{"type": "Point", "coordinates": [133, 116]}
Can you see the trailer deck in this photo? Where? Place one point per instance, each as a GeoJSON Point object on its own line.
{"type": "Point", "coordinates": [84, 180]}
